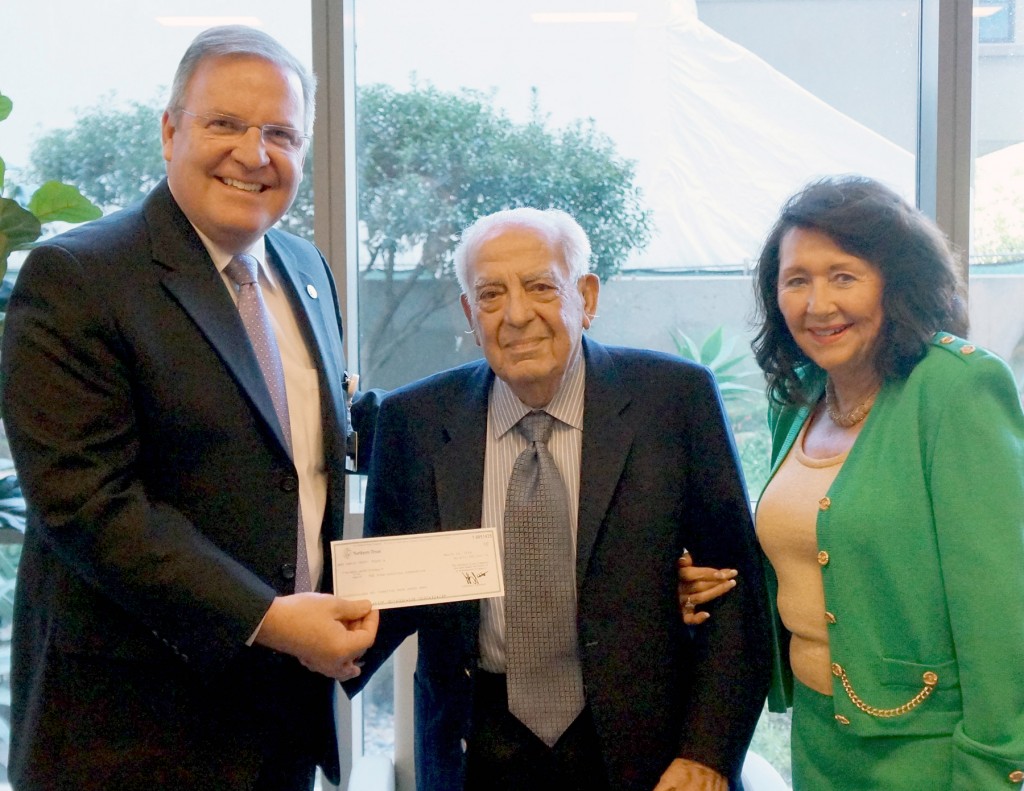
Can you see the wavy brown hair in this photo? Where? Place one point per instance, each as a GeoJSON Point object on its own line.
{"type": "Point", "coordinates": [923, 291]}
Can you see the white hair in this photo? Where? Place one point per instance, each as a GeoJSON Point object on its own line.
{"type": "Point", "coordinates": [558, 226]}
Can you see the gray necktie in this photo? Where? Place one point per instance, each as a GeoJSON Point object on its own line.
{"type": "Point", "coordinates": [545, 684]}
{"type": "Point", "coordinates": [256, 319]}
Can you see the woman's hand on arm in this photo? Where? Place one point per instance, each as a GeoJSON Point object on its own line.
{"type": "Point", "coordinates": [698, 585]}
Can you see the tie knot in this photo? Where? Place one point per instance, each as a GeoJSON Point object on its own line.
{"type": "Point", "coordinates": [242, 269]}
{"type": "Point", "coordinates": [536, 426]}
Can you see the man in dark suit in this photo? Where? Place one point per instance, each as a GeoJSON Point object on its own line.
{"type": "Point", "coordinates": [648, 468]}
{"type": "Point", "coordinates": [183, 472]}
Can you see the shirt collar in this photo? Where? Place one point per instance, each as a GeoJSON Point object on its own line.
{"type": "Point", "coordinates": [221, 258]}
{"type": "Point", "coordinates": [566, 406]}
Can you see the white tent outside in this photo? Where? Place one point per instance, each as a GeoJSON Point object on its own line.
{"type": "Point", "coordinates": [730, 138]}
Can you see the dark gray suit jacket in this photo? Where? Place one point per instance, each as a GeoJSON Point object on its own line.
{"type": "Point", "coordinates": [659, 473]}
{"type": "Point", "coordinates": [162, 510]}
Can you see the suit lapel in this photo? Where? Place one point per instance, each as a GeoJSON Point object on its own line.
{"type": "Point", "coordinates": [607, 440]}
{"type": "Point", "coordinates": [193, 281]}
{"type": "Point", "coordinates": [459, 464]}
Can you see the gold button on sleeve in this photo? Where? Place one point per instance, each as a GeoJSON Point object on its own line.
{"type": "Point", "coordinates": [968, 349]}
{"type": "Point", "coordinates": [823, 558]}
{"type": "Point", "coordinates": [1017, 776]}
{"type": "Point", "coordinates": [946, 339]}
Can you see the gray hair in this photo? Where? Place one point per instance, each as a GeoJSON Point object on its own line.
{"type": "Point", "coordinates": [229, 41]}
{"type": "Point", "coordinates": [558, 226]}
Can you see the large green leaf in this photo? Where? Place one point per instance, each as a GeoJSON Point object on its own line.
{"type": "Point", "coordinates": [8, 569]}
{"type": "Point", "coordinates": [5, 106]}
{"type": "Point", "coordinates": [10, 519]}
{"type": "Point", "coordinates": [55, 201]}
{"type": "Point", "coordinates": [735, 387]}
{"type": "Point", "coordinates": [18, 229]}
{"type": "Point", "coordinates": [685, 347]}
{"type": "Point", "coordinates": [711, 347]}
{"type": "Point", "coordinates": [731, 362]}
{"type": "Point", "coordinates": [18, 226]}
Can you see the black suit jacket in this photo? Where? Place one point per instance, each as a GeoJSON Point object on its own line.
{"type": "Point", "coordinates": [162, 510]}
{"type": "Point", "coordinates": [659, 473]}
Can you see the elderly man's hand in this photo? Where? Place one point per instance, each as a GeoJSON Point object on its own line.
{"type": "Point", "coordinates": [685, 775]}
{"type": "Point", "coordinates": [325, 633]}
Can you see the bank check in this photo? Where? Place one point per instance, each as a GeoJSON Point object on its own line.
{"type": "Point", "coordinates": [422, 568]}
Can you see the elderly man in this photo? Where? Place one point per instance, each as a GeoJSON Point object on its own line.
{"type": "Point", "coordinates": [172, 392]}
{"type": "Point", "coordinates": [597, 465]}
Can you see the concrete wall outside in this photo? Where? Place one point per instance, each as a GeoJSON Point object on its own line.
{"type": "Point", "coordinates": [644, 311]}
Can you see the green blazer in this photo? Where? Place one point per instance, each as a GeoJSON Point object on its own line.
{"type": "Point", "coordinates": [921, 541]}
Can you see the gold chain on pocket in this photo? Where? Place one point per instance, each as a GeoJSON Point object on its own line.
{"type": "Point", "coordinates": [930, 680]}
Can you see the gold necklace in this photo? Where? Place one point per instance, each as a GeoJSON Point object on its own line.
{"type": "Point", "coordinates": [855, 415]}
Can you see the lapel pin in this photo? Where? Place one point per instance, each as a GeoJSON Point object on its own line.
{"type": "Point", "coordinates": [311, 290]}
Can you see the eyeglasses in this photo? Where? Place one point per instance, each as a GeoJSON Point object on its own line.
{"type": "Point", "coordinates": [227, 127]}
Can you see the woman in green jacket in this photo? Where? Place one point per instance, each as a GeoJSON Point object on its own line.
{"type": "Point", "coordinates": [894, 516]}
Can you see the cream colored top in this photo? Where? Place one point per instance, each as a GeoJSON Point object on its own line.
{"type": "Point", "coordinates": [787, 517]}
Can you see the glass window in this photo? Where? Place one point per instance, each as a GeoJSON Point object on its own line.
{"type": "Point", "coordinates": [673, 131]}
{"type": "Point", "coordinates": [997, 214]}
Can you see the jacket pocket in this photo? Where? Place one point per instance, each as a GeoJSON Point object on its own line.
{"type": "Point", "coordinates": [902, 697]}
{"type": "Point", "coordinates": [902, 673]}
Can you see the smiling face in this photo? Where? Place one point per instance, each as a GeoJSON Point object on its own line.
{"type": "Point", "coordinates": [234, 190]}
{"type": "Point", "coordinates": [526, 312]}
{"type": "Point", "coordinates": [832, 303]}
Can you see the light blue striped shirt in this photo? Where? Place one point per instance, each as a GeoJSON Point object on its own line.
{"type": "Point", "coordinates": [504, 444]}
